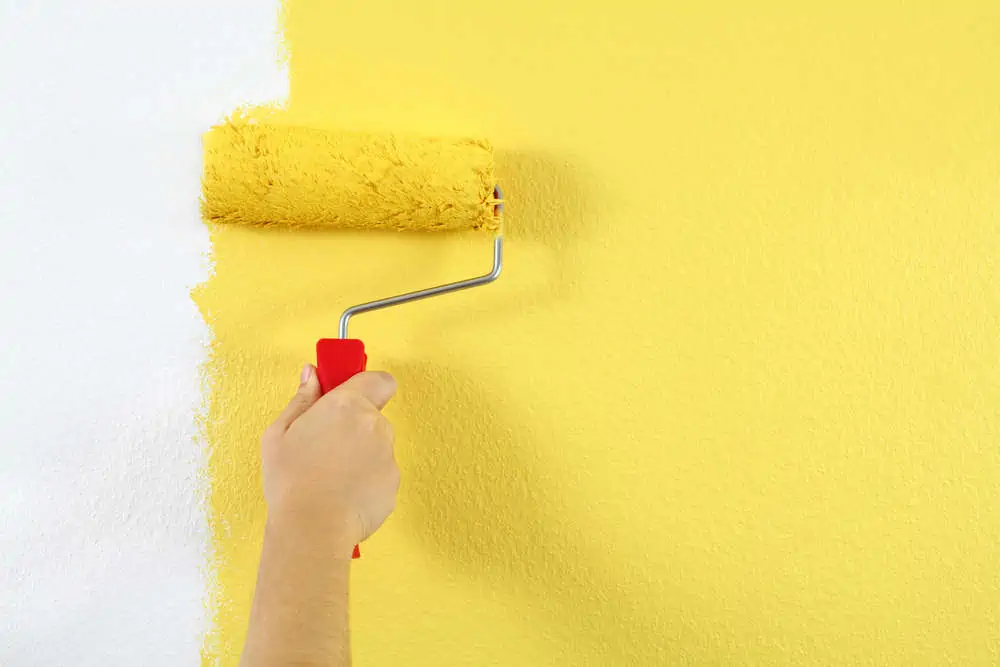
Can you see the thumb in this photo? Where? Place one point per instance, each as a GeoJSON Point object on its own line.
{"type": "Point", "coordinates": [307, 394]}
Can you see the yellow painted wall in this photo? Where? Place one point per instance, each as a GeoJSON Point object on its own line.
{"type": "Point", "coordinates": [735, 399]}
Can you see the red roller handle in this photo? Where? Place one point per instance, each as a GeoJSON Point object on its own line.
{"type": "Point", "coordinates": [337, 361]}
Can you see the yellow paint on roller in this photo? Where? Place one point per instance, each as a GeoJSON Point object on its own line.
{"type": "Point", "coordinates": [258, 172]}
{"type": "Point", "coordinates": [734, 400]}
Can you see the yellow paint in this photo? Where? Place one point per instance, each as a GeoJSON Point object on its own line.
{"type": "Point", "coordinates": [734, 400]}
{"type": "Point", "coordinates": [256, 173]}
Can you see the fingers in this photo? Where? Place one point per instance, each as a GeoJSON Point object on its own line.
{"type": "Point", "coordinates": [377, 387]}
{"type": "Point", "coordinates": [307, 394]}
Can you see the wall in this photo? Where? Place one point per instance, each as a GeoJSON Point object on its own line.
{"type": "Point", "coordinates": [103, 533]}
{"type": "Point", "coordinates": [733, 400]}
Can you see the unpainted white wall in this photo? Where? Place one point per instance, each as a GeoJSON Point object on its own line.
{"type": "Point", "coordinates": [103, 536]}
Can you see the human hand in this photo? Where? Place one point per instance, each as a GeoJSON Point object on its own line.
{"type": "Point", "coordinates": [328, 463]}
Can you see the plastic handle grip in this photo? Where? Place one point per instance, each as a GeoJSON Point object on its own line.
{"type": "Point", "coordinates": [337, 361]}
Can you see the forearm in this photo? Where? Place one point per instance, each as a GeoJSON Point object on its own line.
{"type": "Point", "coordinates": [299, 613]}
{"type": "Point", "coordinates": [330, 480]}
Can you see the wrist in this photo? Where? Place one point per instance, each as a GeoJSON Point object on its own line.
{"type": "Point", "coordinates": [329, 537]}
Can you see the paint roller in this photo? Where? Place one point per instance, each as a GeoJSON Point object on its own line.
{"type": "Point", "coordinates": [266, 174]}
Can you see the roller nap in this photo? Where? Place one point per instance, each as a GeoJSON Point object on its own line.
{"type": "Point", "coordinates": [267, 174]}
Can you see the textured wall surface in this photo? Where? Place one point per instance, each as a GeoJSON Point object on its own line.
{"type": "Point", "coordinates": [734, 400]}
{"type": "Point", "coordinates": [103, 534]}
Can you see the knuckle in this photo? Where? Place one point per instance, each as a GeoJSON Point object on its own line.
{"type": "Point", "coordinates": [344, 403]}
{"type": "Point", "coordinates": [368, 421]}
{"type": "Point", "coordinates": [340, 400]}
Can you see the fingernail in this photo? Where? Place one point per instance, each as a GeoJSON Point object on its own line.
{"type": "Point", "coordinates": [307, 372]}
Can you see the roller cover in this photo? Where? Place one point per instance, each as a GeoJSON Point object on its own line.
{"type": "Point", "coordinates": [258, 173]}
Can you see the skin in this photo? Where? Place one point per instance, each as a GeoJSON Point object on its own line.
{"type": "Point", "coordinates": [330, 481]}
